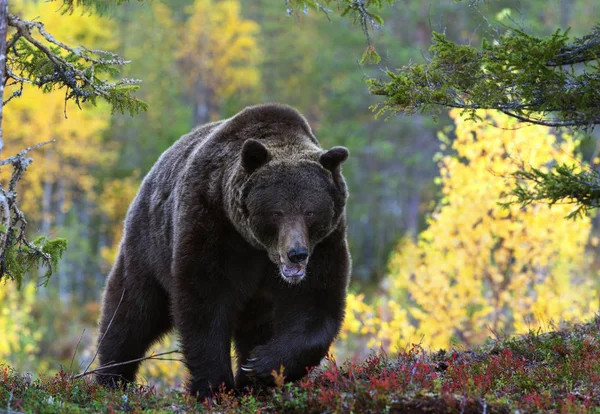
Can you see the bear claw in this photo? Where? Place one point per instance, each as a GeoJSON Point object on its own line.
{"type": "Point", "coordinates": [246, 369]}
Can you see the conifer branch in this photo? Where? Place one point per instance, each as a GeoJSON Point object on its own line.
{"type": "Point", "coordinates": [521, 76]}
{"type": "Point", "coordinates": [518, 74]}
{"type": "Point", "coordinates": [50, 63]}
{"type": "Point", "coordinates": [35, 57]}
{"type": "Point", "coordinates": [564, 184]}
{"type": "Point", "coordinates": [4, 220]}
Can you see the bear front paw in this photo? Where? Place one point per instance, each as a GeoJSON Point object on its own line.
{"type": "Point", "coordinates": [259, 367]}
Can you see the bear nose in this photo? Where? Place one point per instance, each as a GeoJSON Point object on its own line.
{"type": "Point", "coordinates": [298, 255]}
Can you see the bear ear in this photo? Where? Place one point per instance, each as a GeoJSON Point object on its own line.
{"type": "Point", "coordinates": [333, 158]}
{"type": "Point", "coordinates": [254, 155]}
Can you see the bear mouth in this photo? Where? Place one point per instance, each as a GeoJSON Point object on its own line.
{"type": "Point", "coordinates": [293, 273]}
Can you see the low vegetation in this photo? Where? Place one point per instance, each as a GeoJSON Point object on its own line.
{"type": "Point", "coordinates": [557, 371]}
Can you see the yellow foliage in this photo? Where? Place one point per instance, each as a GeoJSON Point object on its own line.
{"type": "Point", "coordinates": [220, 48]}
{"type": "Point", "coordinates": [20, 336]}
{"type": "Point", "coordinates": [73, 29]}
{"type": "Point", "coordinates": [478, 268]}
{"type": "Point", "coordinates": [37, 117]}
{"type": "Point", "coordinates": [166, 372]}
{"type": "Point", "coordinates": [358, 314]}
{"type": "Point", "coordinates": [114, 202]}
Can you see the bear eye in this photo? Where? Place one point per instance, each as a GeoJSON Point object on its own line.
{"type": "Point", "coordinates": [309, 214]}
{"type": "Point", "coordinates": [276, 214]}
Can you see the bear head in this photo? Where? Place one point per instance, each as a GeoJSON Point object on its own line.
{"type": "Point", "coordinates": [292, 205]}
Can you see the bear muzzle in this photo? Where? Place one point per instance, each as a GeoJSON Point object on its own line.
{"type": "Point", "coordinates": [293, 269]}
{"type": "Point", "coordinates": [293, 250]}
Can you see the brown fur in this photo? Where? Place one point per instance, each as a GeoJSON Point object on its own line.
{"type": "Point", "coordinates": [228, 215]}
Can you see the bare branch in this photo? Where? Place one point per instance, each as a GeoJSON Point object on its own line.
{"type": "Point", "coordinates": [11, 42]}
{"type": "Point", "coordinates": [15, 158]}
{"type": "Point", "coordinates": [14, 217]}
{"type": "Point", "coordinates": [117, 364]}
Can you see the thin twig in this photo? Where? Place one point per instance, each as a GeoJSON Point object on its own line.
{"type": "Point", "coordinates": [11, 42]}
{"type": "Point", "coordinates": [117, 364]}
{"type": "Point", "coordinates": [75, 352]}
{"type": "Point", "coordinates": [103, 335]}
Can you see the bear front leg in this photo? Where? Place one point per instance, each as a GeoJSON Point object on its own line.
{"type": "Point", "coordinates": [306, 317]}
{"type": "Point", "coordinates": [254, 326]}
{"type": "Point", "coordinates": [306, 323]}
{"type": "Point", "coordinates": [203, 312]}
{"type": "Point", "coordinates": [204, 324]}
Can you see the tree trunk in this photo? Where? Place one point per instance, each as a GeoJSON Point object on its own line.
{"type": "Point", "coordinates": [46, 207]}
{"type": "Point", "coordinates": [204, 103]}
{"type": "Point", "coordinates": [60, 214]}
{"type": "Point", "coordinates": [413, 205]}
{"type": "Point", "coordinates": [3, 31]}
{"type": "Point", "coordinates": [4, 210]}
{"type": "Point", "coordinates": [565, 13]}
{"type": "Point", "coordinates": [83, 294]}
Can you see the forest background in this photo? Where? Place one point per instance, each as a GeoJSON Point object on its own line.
{"type": "Point", "coordinates": [435, 259]}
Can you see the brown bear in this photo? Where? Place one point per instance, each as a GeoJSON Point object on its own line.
{"type": "Point", "coordinates": [237, 233]}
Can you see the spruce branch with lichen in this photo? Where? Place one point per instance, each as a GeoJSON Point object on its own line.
{"type": "Point", "coordinates": [17, 254]}
{"type": "Point", "coordinates": [35, 57]}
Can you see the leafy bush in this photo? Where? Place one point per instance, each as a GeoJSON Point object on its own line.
{"type": "Point", "coordinates": [482, 266]}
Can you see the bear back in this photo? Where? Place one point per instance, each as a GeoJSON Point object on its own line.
{"type": "Point", "coordinates": [259, 120]}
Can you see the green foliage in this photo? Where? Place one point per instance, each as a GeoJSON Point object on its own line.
{"type": "Point", "coordinates": [120, 99]}
{"type": "Point", "coordinates": [54, 249]}
{"type": "Point", "coordinates": [552, 81]}
{"type": "Point", "coordinates": [22, 258]}
{"type": "Point", "coordinates": [527, 77]}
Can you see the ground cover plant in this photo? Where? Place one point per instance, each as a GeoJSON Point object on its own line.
{"type": "Point", "coordinates": [557, 371]}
